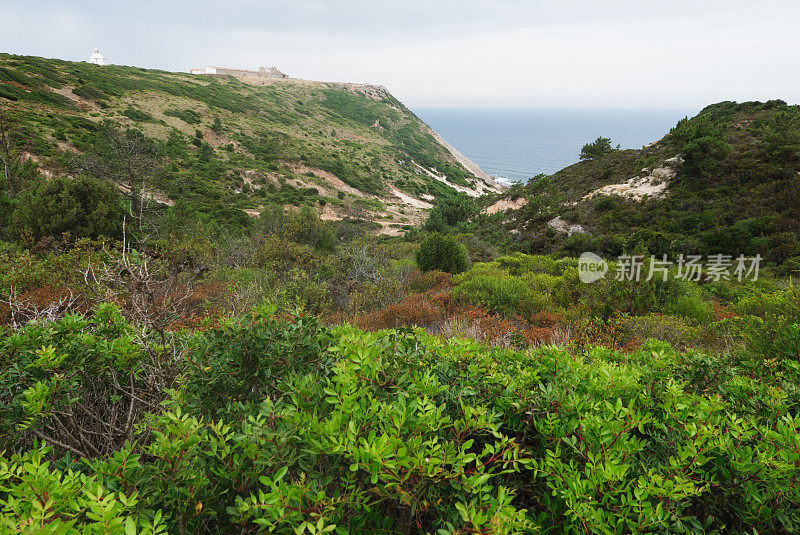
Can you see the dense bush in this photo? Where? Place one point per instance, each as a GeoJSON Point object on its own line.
{"type": "Point", "coordinates": [187, 116]}
{"type": "Point", "coordinates": [83, 207]}
{"type": "Point", "coordinates": [702, 156]}
{"type": "Point", "coordinates": [442, 253]}
{"type": "Point", "coordinates": [79, 375]}
{"type": "Point", "coordinates": [597, 148]}
{"type": "Point", "coordinates": [782, 137]}
{"type": "Point", "coordinates": [500, 293]}
{"type": "Point", "coordinates": [137, 115]}
{"type": "Point", "coordinates": [449, 211]}
{"type": "Point", "coordinates": [281, 425]}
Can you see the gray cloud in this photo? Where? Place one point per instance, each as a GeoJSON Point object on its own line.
{"type": "Point", "coordinates": [459, 53]}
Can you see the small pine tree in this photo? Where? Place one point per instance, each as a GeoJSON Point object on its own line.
{"type": "Point", "coordinates": [597, 148]}
{"type": "Point", "coordinates": [449, 212]}
{"type": "Point", "coordinates": [84, 207]}
{"type": "Point", "coordinates": [442, 253]}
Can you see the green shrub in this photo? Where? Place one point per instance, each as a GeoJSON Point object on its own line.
{"type": "Point", "coordinates": [766, 304]}
{"type": "Point", "coordinates": [499, 293]}
{"type": "Point", "coordinates": [187, 116]}
{"type": "Point", "coordinates": [83, 207]}
{"type": "Point", "coordinates": [279, 424]}
{"type": "Point", "coordinates": [771, 325]}
{"type": "Point", "coordinates": [597, 148]}
{"type": "Point", "coordinates": [304, 227]}
{"type": "Point", "coordinates": [677, 332]}
{"type": "Point", "coordinates": [691, 307]}
{"type": "Point", "coordinates": [89, 92]}
{"type": "Point", "coordinates": [782, 137]}
{"type": "Point", "coordinates": [442, 253]}
{"type": "Point", "coordinates": [449, 211]}
{"type": "Point", "coordinates": [35, 496]}
{"type": "Point", "coordinates": [80, 366]}
{"type": "Point", "coordinates": [542, 282]}
{"type": "Point", "coordinates": [702, 156]}
{"type": "Point", "coordinates": [684, 299]}
{"type": "Point", "coordinates": [137, 115]}
{"type": "Point", "coordinates": [238, 363]}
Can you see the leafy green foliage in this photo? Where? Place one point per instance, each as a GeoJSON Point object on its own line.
{"type": "Point", "coordinates": [702, 156]}
{"type": "Point", "coordinates": [782, 137]}
{"type": "Point", "coordinates": [449, 211]}
{"type": "Point", "coordinates": [76, 371]}
{"type": "Point", "coordinates": [137, 115]}
{"type": "Point", "coordinates": [35, 496]}
{"type": "Point", "coordinates": [279, 424]}
{"type": "Point", "coordinates": [243, 363]}
{"type": "Point", "coordinates": [442, 253]}
{"type": "Point", "coordinates": [499, 293]}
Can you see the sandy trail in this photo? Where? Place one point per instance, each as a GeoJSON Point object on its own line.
{"type": "Point", "coordinates": [409, 200]}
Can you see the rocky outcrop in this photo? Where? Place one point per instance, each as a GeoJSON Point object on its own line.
{"type": "Point", "coordinates": [561, 225]}
{"type": "Point", "coordinates": [651, 183]}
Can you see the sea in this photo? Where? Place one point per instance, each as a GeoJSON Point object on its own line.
{"type": "Point", "coordinates": [517, 144]}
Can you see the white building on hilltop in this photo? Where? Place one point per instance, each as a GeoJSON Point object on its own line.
{"type": "Point", "coordinates": [207, 70]}
{"type": "Point", "coordinates": [97, 58]}
{"type": "Point", "coordinates": [262, 72]}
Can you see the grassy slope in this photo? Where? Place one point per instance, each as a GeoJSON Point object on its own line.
{"type": "Point", "coordinates": [749, 204]}
{"type": "Point", "coordinates": [286, 136]}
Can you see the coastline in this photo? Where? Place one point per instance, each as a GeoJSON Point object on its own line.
{"type": "Point", "coordinates": [471, 166]}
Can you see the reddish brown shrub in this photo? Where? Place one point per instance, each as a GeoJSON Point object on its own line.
{"type": "Point", "coordinates": [204, 305]}
{"type": "Point", "coordinates": [546, 319]}
{"type": "Point", "coordinates": [44, 302]}
{"type": "Point", "coordinates": [415, 310]}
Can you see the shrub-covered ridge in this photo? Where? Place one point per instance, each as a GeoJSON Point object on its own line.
{"type": "Point", "coordinates": [722, 182]}
{"type": "Point", "coordinates": [224, 146]}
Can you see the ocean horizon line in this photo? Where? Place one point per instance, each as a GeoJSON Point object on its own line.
{"type": "Point", "coordinates": [556, 108]}
{"type": "Point", "coordinates": [515, 144]}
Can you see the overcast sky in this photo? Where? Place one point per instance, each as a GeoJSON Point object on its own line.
{"type": "Point", "coordinates": [465, 53]}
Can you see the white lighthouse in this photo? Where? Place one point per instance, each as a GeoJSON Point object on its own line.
{"type": "Point", "coordinates": [97, 58]}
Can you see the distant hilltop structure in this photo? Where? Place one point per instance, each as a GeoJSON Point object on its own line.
{"type": "Point", "coordinates": [97, 58]}
{"type": "Point", "coordinates": [262, 72]}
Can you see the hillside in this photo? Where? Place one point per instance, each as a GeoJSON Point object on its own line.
{"type": "Point", "coordinates": [725, 181]}
{"type": "Point", "coordinates": [210, 371]}
{"type": "Point", "coordinates": [230, 148]}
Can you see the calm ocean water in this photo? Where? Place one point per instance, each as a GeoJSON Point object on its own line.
{"type": "Point", "coordinates": [516, 144]}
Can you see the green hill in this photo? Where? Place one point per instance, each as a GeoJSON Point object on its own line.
{"type": "Point", "coordinates": [725, 181]}
{"type": "Point", "coordinates": [229, 148]}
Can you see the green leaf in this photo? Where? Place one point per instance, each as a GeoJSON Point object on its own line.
{"type": "Point", "coordinates": [281, 473]}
